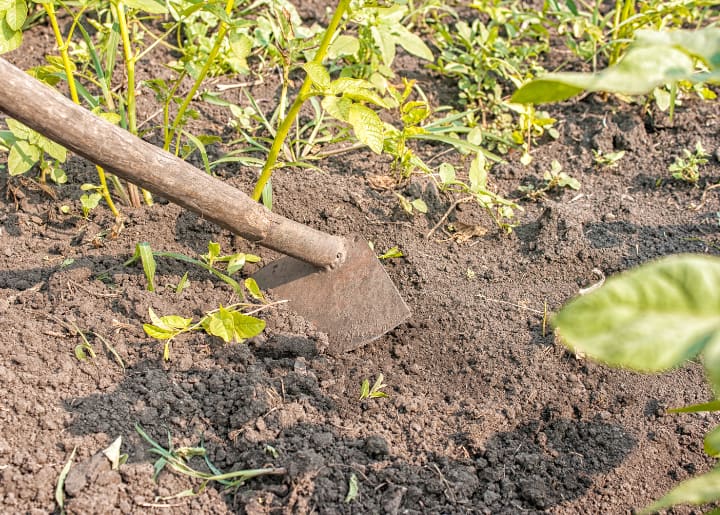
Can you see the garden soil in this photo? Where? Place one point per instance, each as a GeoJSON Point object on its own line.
{"type": "Point", "coordinates": [486, 411]}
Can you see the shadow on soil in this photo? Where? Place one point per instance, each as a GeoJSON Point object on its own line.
{"type": "Point", "coordinates": [258, 407]}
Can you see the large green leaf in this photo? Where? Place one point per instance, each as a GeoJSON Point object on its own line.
{"type": "Point", "coordinates": [16, 14]}
{"type": "Point", "coordinates": [318, 75]}
{"type": "Point", "coordinates": [22, 157]}
{"type": "Point", "coordinates": [367, 126]}
{"type": "Point", "coordinates": [653, 59]}
{"type": "Point", "coordinates": [651, 318]}
{"type": "Point", "coordinates": [9, 39]}
{"type": "Point", "coordinates": [698, 490]}
{"type": "Point", "coordinates": [412, 43]}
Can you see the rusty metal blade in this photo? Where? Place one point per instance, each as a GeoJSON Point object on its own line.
{"type": "Point", "coordinates": [354, 303]}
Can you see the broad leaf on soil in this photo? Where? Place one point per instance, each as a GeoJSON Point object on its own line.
{"type": "Point", "coordinates": [653, 59]}
{"type": "Point", "coordinates": [649, 319]}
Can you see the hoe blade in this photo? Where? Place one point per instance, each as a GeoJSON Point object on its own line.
{"type": "Point", "coordinates": [354, 304]}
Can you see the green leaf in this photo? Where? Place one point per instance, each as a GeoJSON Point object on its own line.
{"type": "Point", "coordinates": [22, 157]}
{"type": "Point", "coordinates": [696, 408]}
{"type": "Point", "coordinates": [698, 490]}
{"type": "Point", "coordinates": [318, 75]}
{"type": "Point", "coordinates": [213, 253]}
{"type": "Point", "coordinates": [412, 43]}
{"type": "Point", "coordinates": [253, 288]}
{"type": "Point", "coordinates": [652, 318]}
{"type": "Point", "coordinates": [419, 205]}
{"type": "Point", "coordinates": [16, 15]}
{"type": "Point", "coordinates": [343, 45]}
{"type": "Point", "coordinates": [144, 252]}
{"type": "Point", "coordinates": [182, 284]}
{"type": "Point", "coordinates": [150, 6]}
{"type": "Point", "coordinates": [392, 253]}
{"type": "Point", "coordinates": [367, 126]}
{"type": "Point", "coordinates": [653, 59]}
{"type": "Point", "coordinates": [247, 326]}
{"type": "Point", "coordinates": [220, 324]}
{"type": "Point", "coordinates": [9, 39]}
{"type": "Point", "coordinates": [235, 263]}
{"type": "Point", "coordinates": [478, 173]}
{"type": "Point", "coordinates": [386, 43]}
{"type": "Point", "coordinates": [241, 47]}
{"type": "Point", "coordinates": [447, 173]}
{"type": "Point", "coordinates": [158, 333]}
{"type": "Point", "coordinates": [337, 107]}
{"type": "Point", "coordinates": [712, 443]}
{"type": "Point", "coordinates": [18, 129]}
{"type": "Point", "coordinates": [356, 89]}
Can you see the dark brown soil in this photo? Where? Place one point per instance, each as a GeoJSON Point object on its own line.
{"type": "Point", "coordinates": [486, 412]}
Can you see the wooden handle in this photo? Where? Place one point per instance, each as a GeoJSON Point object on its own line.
{"type": "Point", "coordinates": [119, 152]}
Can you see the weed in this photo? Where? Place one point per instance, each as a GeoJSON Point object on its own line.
{"type": "Point", "coordinates": [227, 323]}
{"type": "Point", "coordinates": [554, 178]}
{"type": "Point", "coordinates": [607, 160]}
{"type": "Point", "coordinates": [177, 459]}
{"type": "Point", "coordinates": [687, 167]}
{"type": "Point", "coordinates": [366, 392]}
{"type": "Point", "coordinates": [353, 489]}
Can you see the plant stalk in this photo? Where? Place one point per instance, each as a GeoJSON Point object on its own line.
{"type": "Point", "coordinates": [222, 30]}
{"type": "Point", "coordinates": [63, 49]}
{"type": "Point", "coordinates": [302, 96]}
{"type": "Point", "coordinates": [129, 58]}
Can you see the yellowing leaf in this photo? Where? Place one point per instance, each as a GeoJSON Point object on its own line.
{"type": "Point", "coordinates": [412, 43]}
{"type": "Point", "coordinates": [221, 324]}
{"type": "Point", "coordinates": [247, 326]}
{"type": "Point", "coordinates": [9, 39]}
{"type": "Point", "coordinates": [253, 288]}
{"type": "Point", "coordinates": [158, 333]}
{"type": "Point", "coordinates": [367, 126]}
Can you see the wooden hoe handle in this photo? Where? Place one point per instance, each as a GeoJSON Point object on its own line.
{"type": "Point", "coordinates": [119, 152]}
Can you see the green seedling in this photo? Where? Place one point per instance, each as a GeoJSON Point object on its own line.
{"type": "Point", "coordinates": [475, 188]}
{"type": "Point", "coordinates": [411, 206]}
{"type": "Point", "coordinates": [392, 253]}
{"type": "Point", "coordinates": [554, 178]}
{"type": "Point", "coordinates": [607, 160]}
{"type": "Point", "coordinates": [90, 200]}
{"type": "Point", "coordinates": [687, 167]}
{"type": "Point", "coordinates": [651, 319]}
{"type": "Point", "coordinates": [366, 392]}
{"type": "Point", "coordinates": [177, 459]}
{"type": "Point", "coordinates": [227, 323]}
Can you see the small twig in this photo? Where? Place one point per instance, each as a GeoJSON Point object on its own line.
{"type": "Point", "coordinates": [445, 216]}
{"type": "Point", "coordinates": [703, 198]}
{"type": "Point", "coordinates": [448, 487]}
{"type": "Point", "coordinates": [225, 87]}
{"type": "Point", "coordinates": [86, 290]}
{"type": "Point", "coordinates": [515, 305]}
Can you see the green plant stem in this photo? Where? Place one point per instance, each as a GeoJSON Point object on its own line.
{"type": "Point", "coordinates": [302, 96]}
{"type": "Point", "coordinates": [130, 60]}
{"type": "Point", "coordinates": [222, 30]}
{"type": "Point", "coordinates": [63, 49]}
